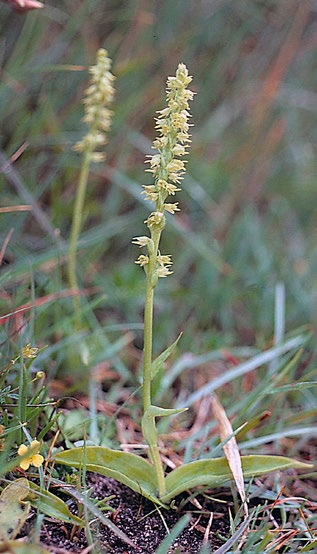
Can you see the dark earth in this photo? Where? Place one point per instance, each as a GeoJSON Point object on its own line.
{"type": "Point", "coordinates": [142, 523]}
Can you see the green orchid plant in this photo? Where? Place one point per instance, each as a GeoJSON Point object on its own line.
{"type": "Point", "coordinates": [148, 477]}
{"type": "Point", "coordinates": [98, 97]}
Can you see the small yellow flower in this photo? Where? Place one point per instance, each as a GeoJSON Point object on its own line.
{"type": "Point", "coordinates": [35, 459]}
{"type": "Point", "coordinates": [29, 353]}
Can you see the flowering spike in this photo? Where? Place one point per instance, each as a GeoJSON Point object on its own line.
{"type": "Point", "coordinates": [166, 166]}
{"type": "Point", "coordinates": [99, 95]}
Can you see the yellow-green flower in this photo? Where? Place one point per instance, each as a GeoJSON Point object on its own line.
{"type": "Point", "coordinates": [142, 260]}
{"type": "Point", "coordinates": [163, 271]}
{"type": "Point", "coordinates": [150, 192]}
{"type": "Point", "coordinates": [141, 241]}
{"type": "Point", "coordinates": [34, 458]}
{"type": "Point", "coordinates": [171, 208]}
{"type": "Point", "coordinates": [156, 219]}
{"type": "Point", "coordinates": [164, 260]}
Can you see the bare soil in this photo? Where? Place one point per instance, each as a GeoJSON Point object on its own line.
{"type": "Point", "coordinates": [142, 523]}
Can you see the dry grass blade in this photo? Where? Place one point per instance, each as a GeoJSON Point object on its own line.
{"type": "Point", "coordinates": [230, 448]}
{"type": "Point", "coordinates": [207, 532]}
{"type": "Point", "coordinates": [5, 244]}
{"type": "Point", "coordinates": [20, 208]}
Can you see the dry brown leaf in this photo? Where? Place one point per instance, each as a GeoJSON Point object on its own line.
{"type": "Point", "coordinates": [230, 448]}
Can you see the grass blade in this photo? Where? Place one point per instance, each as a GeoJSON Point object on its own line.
{"type": "Point", "coordinates": [175, 532]}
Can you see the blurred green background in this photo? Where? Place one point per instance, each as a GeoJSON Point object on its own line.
{"type": "Point", "coordinates": [248, 218]}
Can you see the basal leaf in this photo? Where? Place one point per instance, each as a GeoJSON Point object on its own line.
{"type": "Point", "coordinates": [139, 475]}
{"type": "Point", "coordinates": [14, 508]}
{"type": "Point", "coordinates": [216, 472]}
{"type": "Point", "coordinates": [18, 547]}
{"type": "Point", "coordinates": [129, 469]}
{"type": "Point", "coordinates": [51, 505]}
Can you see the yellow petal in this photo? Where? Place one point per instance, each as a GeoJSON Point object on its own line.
{"type": "Point", "coordinates": [35, 445]}
{"type": "Point", "coordinates": [37, 460]}
{"type": "Point", "coordinates": [25, 464]}
{"type": "Point", "coordinates": [22, 450]}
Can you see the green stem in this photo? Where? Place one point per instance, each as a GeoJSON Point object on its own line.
{"type": "Point", "coordinates": [23, 395]}
{"type": "Point", "coordinates": [147, 360]}
{"type": "Point", "coordinates": [75, 230]}
{"type": "Point", "coordinates": [158, 466]}
{"type": "Point", "coordinates": [148, 341]}
{"type": "Point", "coordinates": [148, 322]}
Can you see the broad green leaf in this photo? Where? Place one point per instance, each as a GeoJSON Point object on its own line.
{"type": "Point", "coordinates": [18, 547]}
{"type": "Point", "coordinates": [129, 469]}
{"type": "Point", "coordinates": [159, 361]}
{"type": "Point", "coordinates": [216, 472]}
{"type": "Point", "coordinates": [14, 508]}
{"type": "Point", "coordinates": [139, 475]}
{"type": "Point", "coordinates": [51, 505]}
